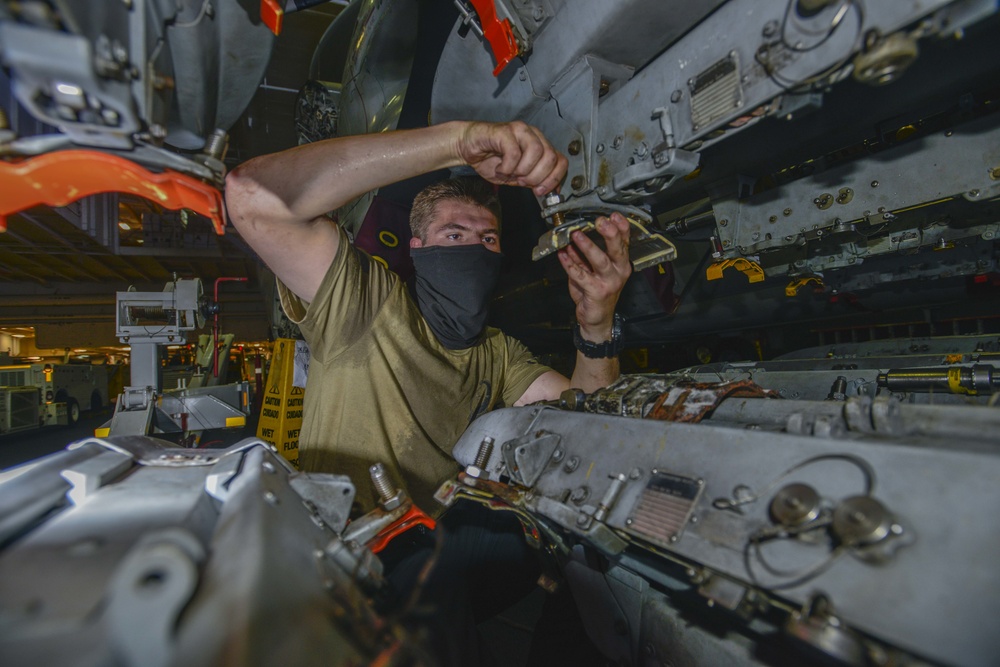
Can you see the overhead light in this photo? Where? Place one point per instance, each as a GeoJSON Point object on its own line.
{"type": "Point", "coordinates": [69, 89]}
{"type": "Point", "coordinates": [124, 225]}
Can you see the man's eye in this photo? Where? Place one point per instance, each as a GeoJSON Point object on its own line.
{"type": "Point", "coordinates": [489, 239]}
{"type": "Point", "coordinates": [454, 237]}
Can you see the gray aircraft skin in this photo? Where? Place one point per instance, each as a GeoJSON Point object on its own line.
{"type": "Point", "coordinates": [815, 174]}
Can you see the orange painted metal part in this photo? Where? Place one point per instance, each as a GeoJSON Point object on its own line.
{"type": "Point", "coordinates": [415, 517]}
{"type": "Point", "coordinates": [498, 33]}
{"type": "Point", "coordinates": [62, 177]}
{"type": "Point", "coordinates": [272, 14]}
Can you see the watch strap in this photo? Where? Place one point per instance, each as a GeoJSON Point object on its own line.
{"type": "Point", "coordinates": [607, 349]}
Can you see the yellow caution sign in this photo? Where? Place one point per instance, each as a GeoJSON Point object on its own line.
{"type": "Point", "coordinates": [281, 411]}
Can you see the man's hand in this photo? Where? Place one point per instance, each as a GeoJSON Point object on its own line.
{"type": "Point", "coordinates": [596, 277]}
{"type": "Point", "coordinates": [513, 154]}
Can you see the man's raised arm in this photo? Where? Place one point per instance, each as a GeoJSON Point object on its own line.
{"type": "Point", "coordinates": [279, 202]}
{"type": "Point", "coordinates": [596, 279]}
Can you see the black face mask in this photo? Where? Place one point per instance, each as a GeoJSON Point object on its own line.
{"type": "Point", "coordinates": [453, 286]}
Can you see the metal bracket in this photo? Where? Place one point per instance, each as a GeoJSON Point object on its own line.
{"type": "Point", "coordinates": [60, 178]}
{"type": "Point", "coordinates": [528, 456]}
{"type": "Point", "coordinates": [793, 287]}
{"type": "Point", "coordinates": [646, 248]}
{"type": "Point", "coordinates": [750, 269]}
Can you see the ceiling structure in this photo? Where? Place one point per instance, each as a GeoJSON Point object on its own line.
{"type": "Point", "coordinates": [61, 267]}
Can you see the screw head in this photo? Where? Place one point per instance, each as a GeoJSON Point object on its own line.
{"type": "Point", "coordinates": [578, 182]}
{"type": "Point", "coordinates": [574, 147]}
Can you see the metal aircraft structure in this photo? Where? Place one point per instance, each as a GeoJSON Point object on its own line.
{"type": "Point", "coordinates": [790, 166]}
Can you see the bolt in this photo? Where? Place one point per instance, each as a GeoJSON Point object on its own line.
{"type": "Point", "coordinates": [384, 486]}
{"type": "Point", "coordinates": [522, 75]}
{"type": "Point", "coordinates": [485, 449]}
{"type": "Point", "coordinates": [582, 520]}
{"type": "Point", "coordinates": [755, 236]}
{"type": "Point", "coordinates": [874, 184]}
{"type": "Point", "coordinates": [787, 212]}
{"type": "Point", "coordinates": [773, 218]}
{"type": "Point", "coordinates": [579, 495]}
{"type": "Point", "coordinates": [629, 521]}
{"type": "Point", "coordinates": [600, 149]}
{"type": "Point", "coordinates": [572, 463]}
{"type": "Point", "coordinates": [603, 88]}
{"type": "Point", "coordinates": [995, 173]}
{"type": "Point", "coordinates": [617, 143]}
{"type": "Point", "coordinates": [723, 222]}
{"type": "Point", "coordinates": [216, 144]}
{"type": "Point", "coordinates": [574, 147]}
{"type": "Point", "coordinates": [973, 193]}
{"type": "Point", "coordinates": [676, 96]}
{"type": "Point", "coordinates": [578, 182]}
{"type": "Point", "coordinates": [635, 473]}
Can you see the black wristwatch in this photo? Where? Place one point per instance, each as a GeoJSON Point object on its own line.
{"type": "Point", "coordinates": [609, 348]}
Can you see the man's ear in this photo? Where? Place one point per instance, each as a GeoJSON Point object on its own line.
{"type": "Point", "coordinates": [415, 242]}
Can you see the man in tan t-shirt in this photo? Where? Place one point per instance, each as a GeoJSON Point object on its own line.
{"type": "Point", "coordinates": [396, 379]}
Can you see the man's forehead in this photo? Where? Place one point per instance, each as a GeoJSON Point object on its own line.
{"type": "Point", "coordinates": [464, 216]}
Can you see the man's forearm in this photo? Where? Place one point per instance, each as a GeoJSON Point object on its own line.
{"type": "Point", "coordinates": [592, 374]}
{"type": "Point", "coordinates": [303, 183]}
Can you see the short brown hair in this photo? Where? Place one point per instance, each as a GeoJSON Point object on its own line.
{"type": "Point", "coordinates": [468, 189]}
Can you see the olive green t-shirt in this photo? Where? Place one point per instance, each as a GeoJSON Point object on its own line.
{"type": "Point", "coordinates": [381, 388]}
